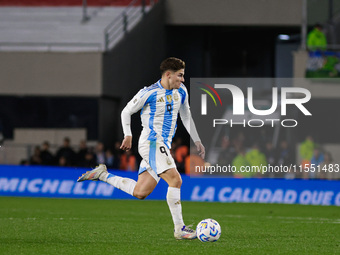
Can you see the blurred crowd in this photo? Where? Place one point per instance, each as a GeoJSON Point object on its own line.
{"type": "Point", "coordinates": [91, 156]}
{"type": "Point", "coordinates": [314, 156]}
{"type": "Point", "coordinates": [85, 156]}
{"type": "Point", "coordinates": [313, 160]}
{"type": "Point", "coordinates": [233, 152]}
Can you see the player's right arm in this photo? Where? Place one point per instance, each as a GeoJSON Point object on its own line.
{"type": "Point", "coordinates": [135, 104]}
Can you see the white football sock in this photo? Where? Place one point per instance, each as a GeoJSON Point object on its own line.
{"type": "Point", "coordinates": [173, 197]}
{"type": "Point", "coordinates": [125, 184]}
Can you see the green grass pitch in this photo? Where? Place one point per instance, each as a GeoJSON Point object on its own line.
{"type": "Point", "coordinates": [85, 226]}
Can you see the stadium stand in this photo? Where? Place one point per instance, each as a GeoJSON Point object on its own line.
{"type": "Point", "coordinates": [36, 37]}
{"type": "Point", "coordinates": [60, 26]}
{"type": "Point", "coordinates": [101, 74]}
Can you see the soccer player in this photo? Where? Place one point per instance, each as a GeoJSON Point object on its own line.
{"type": "Point", "coordinates": [160, 104]}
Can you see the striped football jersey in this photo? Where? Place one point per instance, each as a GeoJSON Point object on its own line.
{"type": "Point", "coordinates": [159, 111]}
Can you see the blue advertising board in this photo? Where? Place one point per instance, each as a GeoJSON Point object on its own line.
{"type": "Point", "coordinates": [37, 181]}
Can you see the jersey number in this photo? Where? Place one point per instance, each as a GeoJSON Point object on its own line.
{"type": "Point", "coordinates": [169, 108]}
{"type": "Point", "coordinates": [162, 149]}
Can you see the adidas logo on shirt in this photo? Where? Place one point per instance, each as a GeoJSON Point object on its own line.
{"type": "Point", "coordinates": [160, 100]}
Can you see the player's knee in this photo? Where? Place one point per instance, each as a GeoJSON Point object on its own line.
{"type": "Point", "coordinates": [140, 195]}
{"type": "Point", "coordinates": [177, 183]}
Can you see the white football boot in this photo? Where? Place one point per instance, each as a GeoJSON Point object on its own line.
{"type": "Point", "coordinates": [185, 233]}
{"type": "Point", "coordinates": [94, 174]}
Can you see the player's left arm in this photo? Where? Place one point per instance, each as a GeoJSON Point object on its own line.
{"type": "Point", "coordinates": [189, 124]}
{"type": "Point", "coordinates": [200, 148]}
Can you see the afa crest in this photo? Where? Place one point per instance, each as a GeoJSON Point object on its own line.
{"type": "Point", "coordinates": [169, 98]}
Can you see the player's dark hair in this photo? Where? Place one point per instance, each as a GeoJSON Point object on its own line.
{"type": "Point", "coordinates": [173, 64]}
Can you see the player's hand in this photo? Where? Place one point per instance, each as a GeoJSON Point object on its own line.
{"type": "Point", "coordinates": [127, 143]}
{"type": "Point", "coordinates": [200, 148]}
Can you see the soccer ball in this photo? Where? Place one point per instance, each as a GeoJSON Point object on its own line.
{"type": "Point", "coordinates": [208, 230]}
